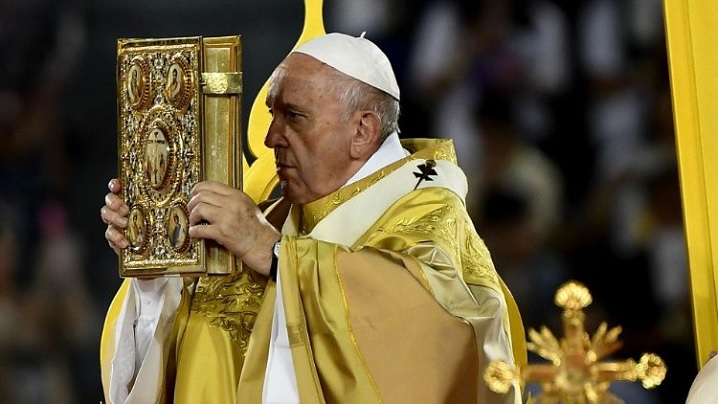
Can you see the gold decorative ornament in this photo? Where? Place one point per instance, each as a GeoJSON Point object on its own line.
{"type": "Point", "coordinates": [137, 229]}
{"type": "Point", "coordinates": [576, 374]}
{"type": "Point", "coordinates": [178, 82]}
{"type": "Point", "coordinates": [177, 227]}
{"type": "Point", "coordinates": [217, 83]}
{"type": "Point", "coordinates": [222, 83]}
{"type": "Point", "coordinates": [172, 135]}
{"type": "Point", "coordinates": [137, 84]}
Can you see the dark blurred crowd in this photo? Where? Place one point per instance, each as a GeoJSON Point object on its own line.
{"type": "Point", "coordinates": [561, 115]}
{"type": "Point", "coordinates": [49, 319]}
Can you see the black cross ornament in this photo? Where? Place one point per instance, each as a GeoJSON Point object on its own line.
{"type": "Point", "coordinates": [427, 170]}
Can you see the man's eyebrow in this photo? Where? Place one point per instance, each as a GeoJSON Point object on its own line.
{"type": "Point", "coordinates": [269, 103]}
{"type": "Point", "coordinates": [295, 107]}
{"type": "Point", "coordinates": [285, 105]}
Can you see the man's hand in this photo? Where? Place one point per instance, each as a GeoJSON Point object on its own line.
{"type": "Point", "coordinates": [114, 214]}
{"type": "Point", "coordinates": [229, 217]}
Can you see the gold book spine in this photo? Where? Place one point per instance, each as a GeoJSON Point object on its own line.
{"type": "Point", "coordinates": [222, 126]}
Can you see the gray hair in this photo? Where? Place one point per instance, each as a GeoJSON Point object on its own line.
{"type": "Point", "coordinates": [356, 96]}
{"type": "Point", "coordinates": [274, 80]}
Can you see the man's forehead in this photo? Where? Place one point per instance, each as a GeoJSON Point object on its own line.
{"type": "Point", "coordinates": [299, 71]}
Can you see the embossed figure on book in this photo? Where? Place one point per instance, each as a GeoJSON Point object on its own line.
{"type": "Point", "coordinates": [156, 156]}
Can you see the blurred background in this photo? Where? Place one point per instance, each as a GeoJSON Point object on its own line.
{"type": "Point", "coordinates": [560, 111]}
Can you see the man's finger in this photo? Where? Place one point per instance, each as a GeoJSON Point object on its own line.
{"type": "Point", "coordinates": [212, 186]}
{"type": "Point", "coordinates": [116, 203]}
{"type": "Point", "coordinates": [115, 237]}
{"type": "Point", "coordinates": [111, 217]}
{"type": "Point", "coordinates": [203, 213]}
{"type": "Point", "coordinates": [114, 186]}
{"type": "Point", "coordinates": [207, 197]}
{"type": "Point", "coordinates": [204, 231]}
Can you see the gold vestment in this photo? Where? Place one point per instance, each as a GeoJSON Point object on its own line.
{"type": "Point", "coordinates": [360, 299]}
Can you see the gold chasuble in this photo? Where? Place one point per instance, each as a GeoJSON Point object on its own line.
{"type": "Point", "coordinates": [389, 295]}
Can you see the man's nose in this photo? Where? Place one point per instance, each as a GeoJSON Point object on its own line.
{"type": "Point", "coordinates": [274, 137]}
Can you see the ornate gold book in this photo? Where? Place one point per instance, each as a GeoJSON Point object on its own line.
{"type": "Point", "coordinates": [179, 106]}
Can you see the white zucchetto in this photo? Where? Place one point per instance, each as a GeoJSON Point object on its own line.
{"type": "Point", "coordinates": [356, 57]}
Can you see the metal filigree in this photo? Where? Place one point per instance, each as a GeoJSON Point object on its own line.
{"type": "Point", "coordinates": [576, 373]}
{"type": "Point", "coordinates": [158, 113]}
{"type": "Point", "coordinates": [164, 124]}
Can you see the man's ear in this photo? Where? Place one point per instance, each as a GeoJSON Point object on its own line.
{"type": "Point", "coordinates": [366, 139]}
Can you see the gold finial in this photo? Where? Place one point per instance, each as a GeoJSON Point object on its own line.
{"type": "Point", "coordinates": [576, 374]}
{"type": "Point", "coordinates": [499, 376]}
{"type": "Point", "coordinates": [573, 296]}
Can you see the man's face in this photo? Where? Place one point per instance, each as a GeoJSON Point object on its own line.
{"type": "Point", "coordinates": [308, 133]}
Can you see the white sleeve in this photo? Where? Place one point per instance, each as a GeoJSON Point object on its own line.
{"type": "Point", "coordinates": [144, 322]}
{"type": "Point", "coordinates": [704, 389]}
{"type": "Point", "coordinates": [148, 295]}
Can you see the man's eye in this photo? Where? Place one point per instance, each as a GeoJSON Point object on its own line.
{"type": "Point", "coordinates": [293, 115]}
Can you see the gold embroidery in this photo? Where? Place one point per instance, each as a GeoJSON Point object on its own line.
{"type": "Point", "coordinates": [444, 226]}
{"type": "Point", "coordinates": [425, 149]}
{"type": "Point", "coordinates": [439, 225]}
{"type": "Point", "coordinates": [314, 212]}
{"type": "Point", "coordinates": [476, 259]}
{"type": "Point", "coordinates": [230, 303]}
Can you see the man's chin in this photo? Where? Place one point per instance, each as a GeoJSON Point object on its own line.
{"type": "Point", "coordinates": [296, 196]}
{"type": "Point", "coordinates": [289, 193]}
